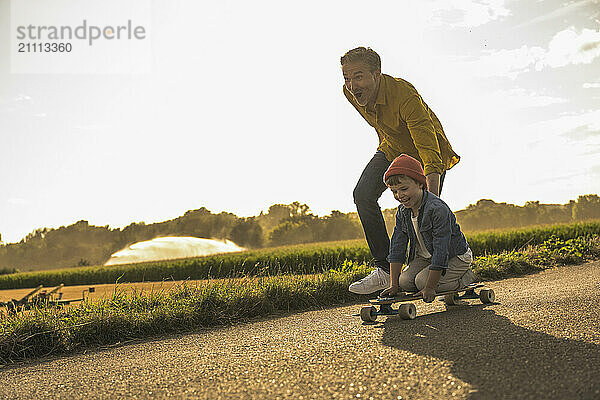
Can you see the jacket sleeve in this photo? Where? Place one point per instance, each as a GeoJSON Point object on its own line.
{"type": "Point", "coordinates": [442, 233]}
{"type": "Point", "coordinates": [399, 242]}
{"type": "Point", "coordinates": [422, 130]}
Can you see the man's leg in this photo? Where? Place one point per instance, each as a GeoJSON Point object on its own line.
{"type": "Point", "coordinates": [367, 192]}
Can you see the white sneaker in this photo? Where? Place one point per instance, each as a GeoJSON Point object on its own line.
{"type": "Point", "coordinates": [376, 280]}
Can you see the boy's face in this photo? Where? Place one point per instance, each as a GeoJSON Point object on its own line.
{"type": "Point", "coordinates": [362, 83]}
{"type": "Point", "coordinates": [407, 192]}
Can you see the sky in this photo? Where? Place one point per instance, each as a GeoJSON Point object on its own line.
{"type": "Point", "coordinates": [239, 106]}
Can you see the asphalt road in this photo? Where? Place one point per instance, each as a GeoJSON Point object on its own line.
{"type": "Point", "coordinates": [540, 341]}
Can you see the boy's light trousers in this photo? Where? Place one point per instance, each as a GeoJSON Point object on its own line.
{"type": "Point", "coordinates": [414, 277]}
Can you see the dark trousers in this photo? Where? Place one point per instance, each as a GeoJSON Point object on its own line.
{"type": "Point", "coordinates": [367, 192]}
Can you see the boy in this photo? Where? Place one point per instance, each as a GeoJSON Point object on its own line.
{"type": "Point", "coordinates": [438, 254]}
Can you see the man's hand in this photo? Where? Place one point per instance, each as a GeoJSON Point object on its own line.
{"type": "Point", "coordinates": [390, 292]}
{"type": "Point", "coordinates": [428, 294]}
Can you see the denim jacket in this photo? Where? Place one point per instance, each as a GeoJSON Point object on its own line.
{"type": "Point", "coordinates": [441, 234]}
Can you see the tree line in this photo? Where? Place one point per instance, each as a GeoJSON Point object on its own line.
{"type": "Point", "coordinates": [82, 244]}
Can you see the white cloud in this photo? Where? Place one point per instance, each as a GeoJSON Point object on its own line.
{"type": "Point", "coordinates": [18, 102]}
{"type": "Point", "coordinates": [22, 97]}
{"type": "Point", "coordinates": [569, 47]}
{"type": "Point", "coordinates": [18, 201]}
{"type": "Point", "coordinates": [467, 13]}
{"type": "Point", "coordinates": [565, 48]}
{"type": "Point", "coordinates": [88, 127]}
{"type": "Point", "coordinates": [571, 127]}
{"type": "Point", "coordinates": [563, 148]}
{"type": "Point", "coordinates": [595, 85]}
{"type": "Point", "coordinates": [520, 98]}
{"type": "Point", "coordinates": [583, 132]}
{"type": "Point", "coordinates": [561, 12]}
{"type": "Point", "coordinates": [509, 63]}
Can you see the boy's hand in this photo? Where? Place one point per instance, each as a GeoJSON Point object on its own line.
{"type": "Point", "coordinates": [390, 292]}
{"type": "Point", "coordinates": [428, 294]}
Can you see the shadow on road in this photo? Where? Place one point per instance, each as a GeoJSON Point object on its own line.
{"type": "Point", "coordinates": [498, 358]}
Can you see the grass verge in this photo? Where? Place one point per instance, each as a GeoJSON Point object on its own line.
{"type": "Point", "coordinates": [552, 252]}
{"type": "Point", "coordinates": [126, 316]}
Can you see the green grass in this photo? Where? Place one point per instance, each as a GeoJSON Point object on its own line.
{"type": "Point", "coordinates": [496, 242]}
{"type": "Point", "coordinates": [7, 270]}
{"type": "Point", "coordinates": [125, 316]}
{"type": "Point", "coordinates": [552, 252]}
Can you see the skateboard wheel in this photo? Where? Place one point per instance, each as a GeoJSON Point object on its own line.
{"type": "Point", "coordinates": [451, 299]}
{"type": "Point", "coordinates": [368, 314]}
{"type": "Point", "coordinates": [487, 296]}
{"type": "Point", "coordinates": [407, 311]}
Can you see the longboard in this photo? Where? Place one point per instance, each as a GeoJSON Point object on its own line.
{"type": "Point", "coordinates": [409, 311]}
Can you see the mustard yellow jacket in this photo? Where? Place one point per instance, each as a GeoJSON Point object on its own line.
{"type": "Point", "coordinates": [405, 124]}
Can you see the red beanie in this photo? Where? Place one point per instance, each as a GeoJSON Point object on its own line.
{"type": "Point", "coordinates": [406, 165]}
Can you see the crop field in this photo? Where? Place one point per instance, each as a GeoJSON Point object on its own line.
{"type": "Point", "coordinates": [104, 290]}
{"type": "Point", "coordinates": [298, 259]}
{"type": "Point", "coordinates": [493, 242]}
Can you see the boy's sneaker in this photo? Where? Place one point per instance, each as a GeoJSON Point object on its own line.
{"type": "Point", "coordinates": [375, 281]}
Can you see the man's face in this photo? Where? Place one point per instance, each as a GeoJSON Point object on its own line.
{"type": "Point", "coordinates": [361, 82]}
{"type": "Point", "coordinates": [408, 192]}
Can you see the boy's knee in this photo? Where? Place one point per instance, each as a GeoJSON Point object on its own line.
{"type": "Point", "coordinates": [421, 279]}
{"type": "Point", "coordinates": [406, 284]}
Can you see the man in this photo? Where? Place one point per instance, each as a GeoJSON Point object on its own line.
{"type": "Point", "coordinates": [404, 124]}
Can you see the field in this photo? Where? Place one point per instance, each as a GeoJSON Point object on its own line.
{"type": "Point", "coordinates": [101, 291]}
{"type": "Point", "coordinates": [299, 259]}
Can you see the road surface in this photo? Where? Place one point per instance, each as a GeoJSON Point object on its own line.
{"type": "Point", "coordinates": [541, 341]}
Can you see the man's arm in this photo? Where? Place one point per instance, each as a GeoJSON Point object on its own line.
{"type": "Point", "coordinates": [422, 130]}
{"type": "Point", "coordinates": [433, 183]}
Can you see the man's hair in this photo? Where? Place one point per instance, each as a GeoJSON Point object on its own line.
{"type": "Point", "coordinates": [366, 54]}
{"type": "Point", "coordinates": [395, 180]}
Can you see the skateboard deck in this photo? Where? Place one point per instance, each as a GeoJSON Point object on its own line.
{"type": "Point", "coordinates": [383, 305]}
{"type": "Point", "coordinates": [411, 296]}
